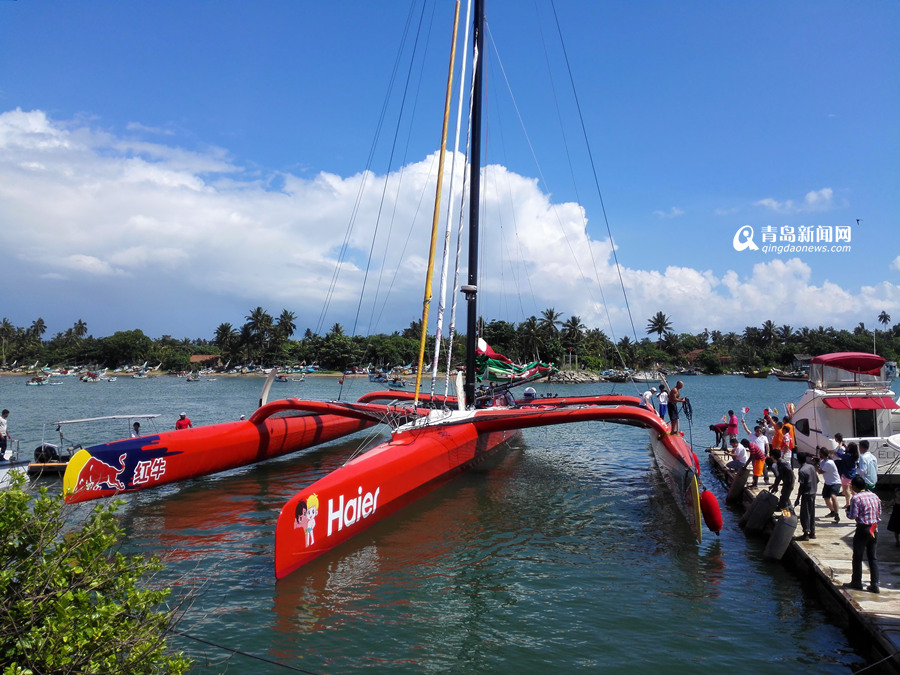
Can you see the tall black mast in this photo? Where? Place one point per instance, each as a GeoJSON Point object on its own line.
{"type": "Point", "coordinates": [471, 289]}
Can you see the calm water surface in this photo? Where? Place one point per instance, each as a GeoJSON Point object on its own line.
{"type": "Point", "coordinates": [565, 553]}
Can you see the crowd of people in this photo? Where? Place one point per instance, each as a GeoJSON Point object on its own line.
{"type": "Point", "coordinates": [846, 469]}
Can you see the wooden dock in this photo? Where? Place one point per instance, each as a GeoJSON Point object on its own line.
{"type": "Point", "coordinates": [873, 620]}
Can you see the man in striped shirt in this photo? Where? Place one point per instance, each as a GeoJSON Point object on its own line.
{"type": "Point", "coordinates": [865, 508]}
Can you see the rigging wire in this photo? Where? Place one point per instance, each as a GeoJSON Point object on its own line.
{"type": "Point", "coordinates": [556, 211]}
{"type": "Point", "coordinates": [370, 159]}
{"type": "Point", "coordinates": [387, 173]}
{"type": "Point", "coordinates": [593, 169]}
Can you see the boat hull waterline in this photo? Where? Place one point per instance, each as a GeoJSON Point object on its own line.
{"type": "Point", "coordinates": [150, 461]}
{"type": "Point", "coordinates": [380, 482]}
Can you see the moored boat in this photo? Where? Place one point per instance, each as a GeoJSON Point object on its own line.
{"type": "Point", "coordinates": [849, 392]}
{"type": "Point", "coordinates": [430, 445]}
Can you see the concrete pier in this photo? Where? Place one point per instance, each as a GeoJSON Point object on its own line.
{"type": "Point", "coordinates": [873, 620]}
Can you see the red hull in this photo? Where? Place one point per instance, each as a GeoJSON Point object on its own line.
{"type": "Point", "coordinates": [150, 461]}
{"type": "Point", "coordinates": [378, 483]}
{"type": "Point", "coordinates": [373, 486]}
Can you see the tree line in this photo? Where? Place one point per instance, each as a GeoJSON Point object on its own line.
{"type": "Point", "coordinates": [266, 340]}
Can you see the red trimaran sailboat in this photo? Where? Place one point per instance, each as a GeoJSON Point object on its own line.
{"type": "Point", "coordinates": [429, 445]}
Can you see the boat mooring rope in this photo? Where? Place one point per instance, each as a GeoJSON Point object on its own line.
{"type": "Point", "coordinates": [241, 653]}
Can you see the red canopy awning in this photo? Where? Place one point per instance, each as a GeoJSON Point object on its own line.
{"type": "Point", "coordinates": [861, 403]}
{"type": "Point", "coordinates": [855, 362]}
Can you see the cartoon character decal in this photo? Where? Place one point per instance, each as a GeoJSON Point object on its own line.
{"type": "Point", "coordinates": [305, 517]}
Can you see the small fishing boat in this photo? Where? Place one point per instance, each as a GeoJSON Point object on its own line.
{"type": "Point", "coordinates": [757, 374]}
{"type": "Point", "coordinates": [793, 376]}
{"type": "Point", "coordinates": [52, 459]}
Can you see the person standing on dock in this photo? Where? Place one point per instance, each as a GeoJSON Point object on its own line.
{"type": "Point", "coordinates": [807, 484]}
{"type": "Point", "coordinates": [762, 442]}
{"type": "Point", "coordinates": [868, 465]}
{"type": "Point", "coordinates": [832, 478]}
{"type": "Point", "coordinates": [758, 456]}
{"type": "Point", "coordinates": [784, 475]}
{"type": "Point", "coordinates": [732, 426]}
{"type": "Point", "coordinates": [865, 509]}
{"type": "Point", "coordinates": [4, 434]}
{"type": "Point", "coordinates": [848, 466]}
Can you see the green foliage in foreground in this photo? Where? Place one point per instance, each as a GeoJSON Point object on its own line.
{"type": "Point", "coordinates": [71, 603]}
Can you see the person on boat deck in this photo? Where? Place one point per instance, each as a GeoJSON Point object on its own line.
{"type": "Point", "coordinates": [4, 433]}
{"type": "Point", "coordinates": [675, 398]}
{"type": "Point", "coordinates": [865, 509]}
{"type": "Point", "coordinates": [647, 398]}
{"type": "Point", "coordinates": [848, 466]}
{"type": "Point", "coordinates": [135, 429]}
{"type": "Point", "coordinates": [739, 454]}
{"type": "Point", "coordinates": [807, 484]}
{"type": "Point", "coordinates": [184, 422]}
{"type": "Point", "coordinates": [758, 455]}
{"type": "Point", "coordinates": [732, 425]}
{"type": "Point", "coordinates": [832, 478]}
{"type": "Point", "coordinates": [785, 476]}
{"type": "Point", "coordinates": [868, 465]}
{"type": "Point", "coordinates": [663, 397]}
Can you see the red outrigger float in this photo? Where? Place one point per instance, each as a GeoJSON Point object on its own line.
{"type": "Point", "coordinates": [153, 460]}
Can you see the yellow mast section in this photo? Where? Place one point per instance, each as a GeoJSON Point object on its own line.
{"type": "Point", "coordinates": [426, 304]}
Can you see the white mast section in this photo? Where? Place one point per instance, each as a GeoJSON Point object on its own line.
{"type": "Point", "coordinates": [445, 261]}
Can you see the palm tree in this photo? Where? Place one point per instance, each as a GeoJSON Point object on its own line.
{"type": "Point", "coordinates": [659, 324]}
{"type": "Point", "coordinates": [7, 331]}
{"type": "Point", "coordinates": [38, 328]}
{"type": "Point", "coordinates": [260, 323]}
{"type": "Point", "coordinates": [550, 322]}
{"type": "Point", "coordinates": [785, 333]}
{"type": "Point", "coordinates": [286, 324]}
{"type": "Point", "coordinates": [530, 334]}
{"type": "Point", "coordinates": [226, 338]}
{"type": "Point", "coordinates": [80, 329]}
{"type": "Point", "coordinates": [573, 331]}
{"type": "Point", "coordinates": [769, 333]}
{"type": "Point", "coordinates": [884, 319]}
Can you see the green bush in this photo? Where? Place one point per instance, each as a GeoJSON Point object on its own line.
{"type": "Point", "coordinates": [69, 601]}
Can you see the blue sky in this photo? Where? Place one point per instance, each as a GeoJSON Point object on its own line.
{"type": "Point", "coordinates": [169, 166]}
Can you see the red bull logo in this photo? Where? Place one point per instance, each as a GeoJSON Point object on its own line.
{"type": "Point", "coordinates": [97, 475]}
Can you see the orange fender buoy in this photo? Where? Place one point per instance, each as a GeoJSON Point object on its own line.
{"type": "Point", "coordinates": [696, 463]}
{"type": "Point", "coordinates": [712, 514]}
